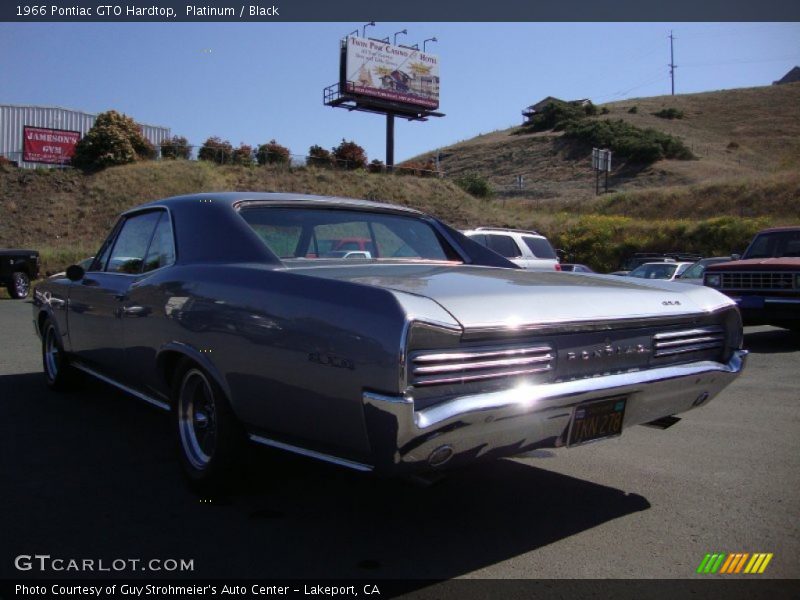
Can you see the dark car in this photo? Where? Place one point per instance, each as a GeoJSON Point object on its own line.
{"type": "Point", "coordinates": [424, 352]}
{"type": "Point", "coordinates": [765, 283]}
{"type": "Point", "coordinates": [17, 269]}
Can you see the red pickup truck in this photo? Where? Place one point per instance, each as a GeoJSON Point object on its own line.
{"type": "Point", "coordinates": [765, 283]}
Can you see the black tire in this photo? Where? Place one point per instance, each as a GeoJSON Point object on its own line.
{"type": "Point", "coordinates": [210, 438]}
{"type": "Point", "coordinates": [20, 285]}
{"type": "Point", "coordinates": [58, 373]}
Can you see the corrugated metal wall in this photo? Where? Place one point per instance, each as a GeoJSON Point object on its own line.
{"type": "Point", "coordinates": [14, 117]}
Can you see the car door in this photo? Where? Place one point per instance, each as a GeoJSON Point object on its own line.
{"type": "Point", "coordinates": [96, 302]}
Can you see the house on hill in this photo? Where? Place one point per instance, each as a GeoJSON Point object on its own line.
{"type": "Point", "coordinates": [529, 112]}
{"type": "Point", "coordinates": [792, 76]}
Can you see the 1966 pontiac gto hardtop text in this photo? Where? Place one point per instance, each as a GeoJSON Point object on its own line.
{"type": "Point", "coordinates": [242, 314]}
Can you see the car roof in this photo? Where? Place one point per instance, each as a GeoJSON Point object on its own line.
{"type": "Point", "coordinates": [235, 198]}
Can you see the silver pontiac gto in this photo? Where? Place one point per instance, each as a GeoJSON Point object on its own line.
{"type": "Point", "coordinates": [371, 336]}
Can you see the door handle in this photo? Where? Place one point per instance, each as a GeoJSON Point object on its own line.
{"type": "Point", "coordinates": [133, 311]}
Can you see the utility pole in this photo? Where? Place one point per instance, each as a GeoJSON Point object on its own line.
{"type": "Point", "coordinates": [672, 65]}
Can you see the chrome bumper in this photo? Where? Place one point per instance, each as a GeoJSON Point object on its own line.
{"type": "Point", "coordinates": [510, 422]}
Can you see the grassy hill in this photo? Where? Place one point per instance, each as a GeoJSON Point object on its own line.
{"type": "Point", "coordinates": [66, 214]}
{"type": "Point", "coordinates": [735, 134]}
{"type": "Point", "coordinates": [746, 176]}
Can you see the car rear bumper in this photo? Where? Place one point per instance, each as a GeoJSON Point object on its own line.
{"type": "Point", "coordinates": [511, 422]}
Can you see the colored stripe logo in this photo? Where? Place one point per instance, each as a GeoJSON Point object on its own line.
{"type": "Point", "coordinates": [734, 563]}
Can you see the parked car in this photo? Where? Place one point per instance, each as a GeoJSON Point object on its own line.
{"type": "Point", "coordinates": [17, 269]}
{"type": "Point", "coordinates": [668, 271]}
{"type": "Point", "coordinates": [432, 353]}
{"type": "Point", "coordinates": [575, 268]}
{"type": "Point", "coordinates": [694, 274]}
{"type": "Point", "coordinates": [765, 283]}
{"type": "Point", "coordinates": [641, 258]}
{"type": "Point", "coordinates": [526, 249]}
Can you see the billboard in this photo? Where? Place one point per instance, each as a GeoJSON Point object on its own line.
{"type": "Point", "coordinates": [53, 146]}
{"type": "Point", "coordinates": [395, 73]}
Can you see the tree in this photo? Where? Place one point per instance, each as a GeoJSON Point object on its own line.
{"type": "Point", "coordinates": [114, 139]}
{"type": "Point", "coordinates": [216, 150]}
{"type": "Point", "coordinates": [350, 155]}
{"type": "Point", "coordinates": [176, 147]}
{"type": "Point", "coordinates": [243, 155]}
{"type": "Point", "coordinates": [319, 157]}
{"type": "Point", "coordinates": [272, 153]}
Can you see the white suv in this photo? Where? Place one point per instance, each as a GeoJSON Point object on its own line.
{"type": "Point", "coordinates": [527, 249]}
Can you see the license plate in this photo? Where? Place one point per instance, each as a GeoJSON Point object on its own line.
{"type": "Point", "coordinates": [596, 420]}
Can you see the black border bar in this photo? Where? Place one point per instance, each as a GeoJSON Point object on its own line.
{"type": "Point", "coordinates": [402, 11]}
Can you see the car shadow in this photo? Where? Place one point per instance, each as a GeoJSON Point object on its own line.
{"type": "Point", "coordinates": [771, 340]}
{"type": "Point", "coordinates": [94, 474]}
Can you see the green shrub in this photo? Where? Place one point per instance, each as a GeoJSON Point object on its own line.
{"type": "Point", "coordinates": [216, 150]}
{"type": "Point", "coordinates": [556, 114]}
{"type": "Point", "coordinates": [176, 147]}
{"type": "Point", "coordinates": [474, 184]}
{"type": "Point", "coordinates": [628, 141]}
{"type": "Point", "coordinates": [319, 157]}
{"type": "Point", "coordinates": [349, 155]}
{"type": "Point", "coordinates": [114, 139]}
{"type": "Point", "coordinates": [243, 155]}
{"type": "Point", "coordinates": [272, 153]}
{"type": "Point", "coordinates": [633, 110]}
{"type": "Point", "coordinates": [376, 166]}
{"type": "Point", "coordinates": [669, 113]}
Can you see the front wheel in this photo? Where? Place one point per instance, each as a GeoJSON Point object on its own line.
{"type": "Point", "coordinates": [19, 286]}
{"type": "Point", "coordinates": [210, 438]}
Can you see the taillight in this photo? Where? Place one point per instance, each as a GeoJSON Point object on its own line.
{"type": "Point", "coordinates": [558, 266]}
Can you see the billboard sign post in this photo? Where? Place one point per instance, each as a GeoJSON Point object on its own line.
{"type": "Point", "coordinates": [379, 77]}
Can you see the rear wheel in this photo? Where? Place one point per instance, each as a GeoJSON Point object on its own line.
{"type": "Point", "coordinates": [210, 438]}
{"type": "Point", "coordinates": [19, 286]}
{"type": "Point", "coordinates": [58, 373]}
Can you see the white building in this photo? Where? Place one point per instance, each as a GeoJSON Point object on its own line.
{"type": "Point", "coordinates": [41, 136]}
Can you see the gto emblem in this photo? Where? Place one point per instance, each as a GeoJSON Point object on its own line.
{"type": "Point", "coordinates": [671, 303]}
{"type": "Point", "coordinates": [331, 360]}
{"type": "Point", "coordinates": [608, 350]}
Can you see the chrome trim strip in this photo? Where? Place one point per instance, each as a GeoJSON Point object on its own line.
{"type": "Point", "coordinates": [699, 331]}
{"type": "Point", "coordinates": [343, 462]}
{"type": "Point", "coordinates": [782, 300]}
{"type": "Point", "coordinates": [135, 393]}
{"type": "Point", "coordinates": [468, 355]}
{"type": "Point", "coordinates": [697, 340]}
{"type": "Point", "coordinates": [486, 364]}
{"type": "Point", "coordinates": [693, 348]}
{"type": "Point", "coordinates": [478, 377]}
{"type": "Point", "coordinates": [592, 325]}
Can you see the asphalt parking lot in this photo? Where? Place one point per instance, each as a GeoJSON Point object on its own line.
{"type": "Point", "coordinates": [93, 474]}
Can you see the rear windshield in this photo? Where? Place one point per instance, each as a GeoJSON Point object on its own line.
{"type": "Point", "coordinates": [775, 244]}
{"type": "Point", "coordinates": [319, 234]}
{"type": "Point", "coordinates": [659, 271]}
{"type": "Point", "coordinates": [540, 247]}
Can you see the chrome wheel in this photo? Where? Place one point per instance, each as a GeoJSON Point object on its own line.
{"type": "Point", "coordinates": [197, 419]}
{"type": "Point", "coordinates": [52, 355]}
{"type": "Point", "coordinates": [20, 285]}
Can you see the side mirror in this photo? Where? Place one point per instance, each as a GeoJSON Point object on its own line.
{"type": "Point", "coordinates": [75, 272]}
{"type": "Point", "coordinates": [561, 254]}
{"type": "Point", "coordinates": [736, 256]}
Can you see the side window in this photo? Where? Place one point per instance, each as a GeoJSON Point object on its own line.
{"type": "Point", "coordinates": [480, 238]}
{"type": "Point", "coordinates": [99, 263]}
{"type": "Point", "coordinates": [162, 249]}
{"type": "Point", "coordinates": [504, 245]}
{"type": "Point", "coordinates": [132, 242]}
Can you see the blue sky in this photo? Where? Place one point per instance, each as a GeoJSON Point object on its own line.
{"type": "Point", "coordinates": [251, 82]}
